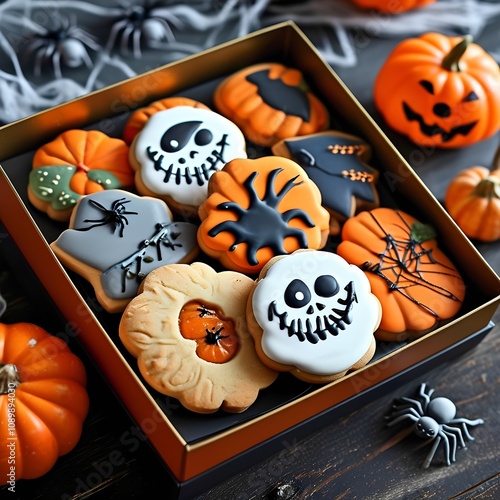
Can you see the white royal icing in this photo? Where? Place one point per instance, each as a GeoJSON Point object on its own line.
{"type": "Point", "coordinates": [291, 295]}
{"type": "Point", "coordinates": [180, 148]}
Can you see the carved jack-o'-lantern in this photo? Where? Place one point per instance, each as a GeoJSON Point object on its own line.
{"type": "Point", "coordinates": [440, 91]}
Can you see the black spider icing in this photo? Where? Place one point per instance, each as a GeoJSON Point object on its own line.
{"type": "Point", "coordinates": [114, 216]}
{"type": "Point", "coordinates": [262, 224]}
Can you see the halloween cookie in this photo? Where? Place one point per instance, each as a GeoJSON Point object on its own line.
{"type": "Point", "coordinates": [270, 102]}
{"type": "Point", "coordinates": [416, 283]}
{"type": "Point", "coordinates": [259, 208]}
{"type": "Point", "coordinates": [116, 238]}
{"type": "Point", "coordinates": [178, 150]}
{"type": "Point", "coordinates": [337, 164]}
{"type": "Point", "coordinates": [188, 332]}
{"type": "Point", "coordinates": [313, 314]}
{"type": "Point", "coordinates": [76, 163]}
{"type": "Point", "coordinates": [140, 116]}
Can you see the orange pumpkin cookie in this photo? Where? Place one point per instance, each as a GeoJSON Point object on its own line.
{"type": "Point", "coordinates": [188, 332]}
{"type": "Point", "coordinates": [76, 163]}
{"type": "Point", "coordinates": [416, 283]}
{"type": "Point", "coordinates": [337, 164]}
{"type": "Point", "coordinates": [270, 102]}
{"type": "Point", "coordinates": [259, 208]}
{"type": "Point", "coordinates": [139, 117]}
{"type": "Point", "coordinates": [313, 314]}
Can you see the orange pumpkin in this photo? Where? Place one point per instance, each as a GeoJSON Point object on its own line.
{"type": "Point", "coordinates": [440, 91]}
{"type": "Point", "coordinates": [270, 102]}
{"type": "Point", "coordinates": [43, 401]}
{"type": "Point", "coordinates": [416, 283]}
{"type": "Point", "coordinates": [76, 163]}
{"type": "Point", "coordinates": [473, 201]}
{"type": "Point", "coordinates": [214, 334]}
{"type": "Point", "coordinates": [139, 117]}
{"type": "Point", "coordinates": [392, 6]}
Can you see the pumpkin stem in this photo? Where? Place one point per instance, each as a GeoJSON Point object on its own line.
{"type": "Point", "coordinates": [451, 61]}
{"type": "Point", "coordinates": [421, 232]}
{"type": "Point", "coordinates": [9, 378]}
{"type": "Point", "coordinates": [488, 188]}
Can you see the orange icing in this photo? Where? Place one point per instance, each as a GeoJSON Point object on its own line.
{"type": "Point", "coordinates": [415, 282]}
{"type": "Point", "coordinates": [87, 150]}
{"type": "Point", "coordinates": [241, 101]}
{"type": "Point", "coordinates": [214, 334]}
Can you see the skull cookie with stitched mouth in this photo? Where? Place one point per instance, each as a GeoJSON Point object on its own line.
{"type": "Point", "coordinates": [177, 152]}
{"type": "Point", "coordinates": [313, 314]}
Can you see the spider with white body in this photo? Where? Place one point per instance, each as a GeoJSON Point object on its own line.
{"type": "Point", "coordinates": [434, 420]}
{"type": "Point", "coordinates": [66, 44]}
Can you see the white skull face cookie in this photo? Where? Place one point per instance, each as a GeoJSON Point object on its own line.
{"type": "Point", "coordinates": [313, 314]}
{"type": "Point", "coordinates": [178, 150]}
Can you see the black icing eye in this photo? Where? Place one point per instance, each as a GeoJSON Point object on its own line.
{"type": "Point", "coordinates": [471, 96]}
{"type": "Point", "coordinates": [203, 137]}
{"type": "Point", "coordinates": [427, 86]}
{"type": "Point", "coordinates": [177, 136]}
{"type": "Point", "coordinates": [297, 294]}
{"type": "Point", "coordinates": [326, 286]}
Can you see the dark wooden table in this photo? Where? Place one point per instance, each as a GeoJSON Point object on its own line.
{"type": "Point", "coordinates": [355, 456]}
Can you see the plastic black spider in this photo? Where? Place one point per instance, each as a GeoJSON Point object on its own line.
{"type": "Point", "coordinates": [114, 216]}
{"type": "Point", "coordinates": [145, 22]}
{"type": "Point", "coordinates": [67, 44]}
{"type": "Point", "coordinates": [434, 420]}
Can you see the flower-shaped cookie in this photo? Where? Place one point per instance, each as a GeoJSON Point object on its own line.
{"type": "Point", "coordinates": [259, 208]}
{"type": "Point", "coordinates": [313, 314]}
{"type": "Point", "coordinates": [188, 332]}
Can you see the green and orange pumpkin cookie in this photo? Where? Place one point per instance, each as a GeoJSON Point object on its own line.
{"type": "Point", "coordinates": [76, 163]}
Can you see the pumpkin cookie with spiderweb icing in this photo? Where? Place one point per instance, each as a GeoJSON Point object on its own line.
{"type": "Point", "coordinates": [416, 283]}
{"type": "Point", "coordinates": [259, 208]}
{"type": "Point", "coordinates": [77, 163]}
{"type": "Point", "coordinates": [187, 330]}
